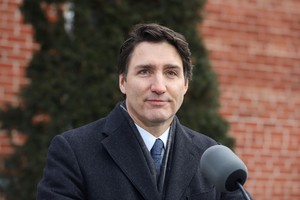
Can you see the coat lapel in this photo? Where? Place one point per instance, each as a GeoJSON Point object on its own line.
{"type": "Point", "coordinates": [184, 164]}
{"type": "Point", "coordinates": [125, 149]}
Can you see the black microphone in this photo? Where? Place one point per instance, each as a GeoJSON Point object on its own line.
{"type": "Point", "coordinates": [225, 170]}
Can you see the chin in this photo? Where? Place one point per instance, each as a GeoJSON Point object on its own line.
{"type": "Point", "coordinates": [159, 119]}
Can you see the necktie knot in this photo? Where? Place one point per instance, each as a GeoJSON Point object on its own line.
{"type": "Point", "coordinates": [156, 153]}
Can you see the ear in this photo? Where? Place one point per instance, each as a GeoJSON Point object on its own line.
{"type": "Point", "coordinates": [121, 83]}
{"type": "Point", "coordinates": [186, 86]}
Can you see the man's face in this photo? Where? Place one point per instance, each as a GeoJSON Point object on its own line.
{"type": "Point", "coordinates": [155, 85]}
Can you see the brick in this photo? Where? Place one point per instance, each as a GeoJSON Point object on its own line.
{"type": "Point", "coordinates": [254, 48]}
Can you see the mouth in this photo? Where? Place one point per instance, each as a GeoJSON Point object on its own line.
{"type": "Point", "coordinates": [157, 102]}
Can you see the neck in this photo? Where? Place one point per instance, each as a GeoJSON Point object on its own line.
{"type": "Point", "coordinates": [156, 129]}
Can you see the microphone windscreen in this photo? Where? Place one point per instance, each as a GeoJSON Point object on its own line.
{"type": "Point", "coordinates": [223, 168]}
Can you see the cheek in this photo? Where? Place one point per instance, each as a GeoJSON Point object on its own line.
{"type": "Point", "coordinates": [133, 89]}
{"type": "Point", "coordinates": [178, 91]}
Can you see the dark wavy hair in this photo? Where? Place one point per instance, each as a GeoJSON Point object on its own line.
{"type": "Point", "coordinates": [155, 33]}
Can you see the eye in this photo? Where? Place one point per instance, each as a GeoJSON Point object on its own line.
{"type": "Point", "coordinates": [171, 73]}
{"type": "Point", "coordinates": [143, 72]}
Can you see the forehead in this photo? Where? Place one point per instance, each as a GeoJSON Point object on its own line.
{"type": "Point", "coordinates": [155, 53]}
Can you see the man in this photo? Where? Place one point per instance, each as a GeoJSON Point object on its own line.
{"type": "Point", "coordinates": [140, 150]}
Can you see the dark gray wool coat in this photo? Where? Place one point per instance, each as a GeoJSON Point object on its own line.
{"type": "Point", "coordinates": [107, 160]}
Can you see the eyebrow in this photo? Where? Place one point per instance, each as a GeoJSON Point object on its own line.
{"type": "Point", "coordinates": [144, 66]}
{"type": "Point", "coordinates": [148, 66]}
{"type": "Point", "coordinates": [170, 66]}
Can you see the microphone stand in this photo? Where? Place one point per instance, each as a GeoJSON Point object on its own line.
{"type": "Point", "coordinates": [243, 191]}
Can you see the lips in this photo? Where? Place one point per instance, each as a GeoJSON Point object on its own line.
{"type": "Point", "coordinates": [157, 102]}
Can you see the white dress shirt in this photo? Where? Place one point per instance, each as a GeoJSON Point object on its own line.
{"type": "Point", "coordinates": [149, 139]}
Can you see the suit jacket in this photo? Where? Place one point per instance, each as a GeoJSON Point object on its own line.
{"type": "Point", "coordinates": [106, 160]}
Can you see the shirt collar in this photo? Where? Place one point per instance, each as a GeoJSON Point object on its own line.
{"type": "Point", "coordinates": [149, 139]}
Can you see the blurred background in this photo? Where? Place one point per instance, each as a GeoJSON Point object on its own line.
{"type": "Point", "coordinates": [252, 46]}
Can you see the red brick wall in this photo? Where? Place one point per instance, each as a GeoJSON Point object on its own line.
{"type": "Point", "coordinates": [255, 50]}
{"type": "Point", "coordinates": [16, 48]}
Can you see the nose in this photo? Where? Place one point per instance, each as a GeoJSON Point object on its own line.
{"type": "Point", "coordinates": [158, 84]}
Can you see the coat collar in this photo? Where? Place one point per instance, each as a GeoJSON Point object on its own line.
{"type": "Point", "coordinates": [185, 160]}
{"type": "Point", "coordinates": [127, 151]}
